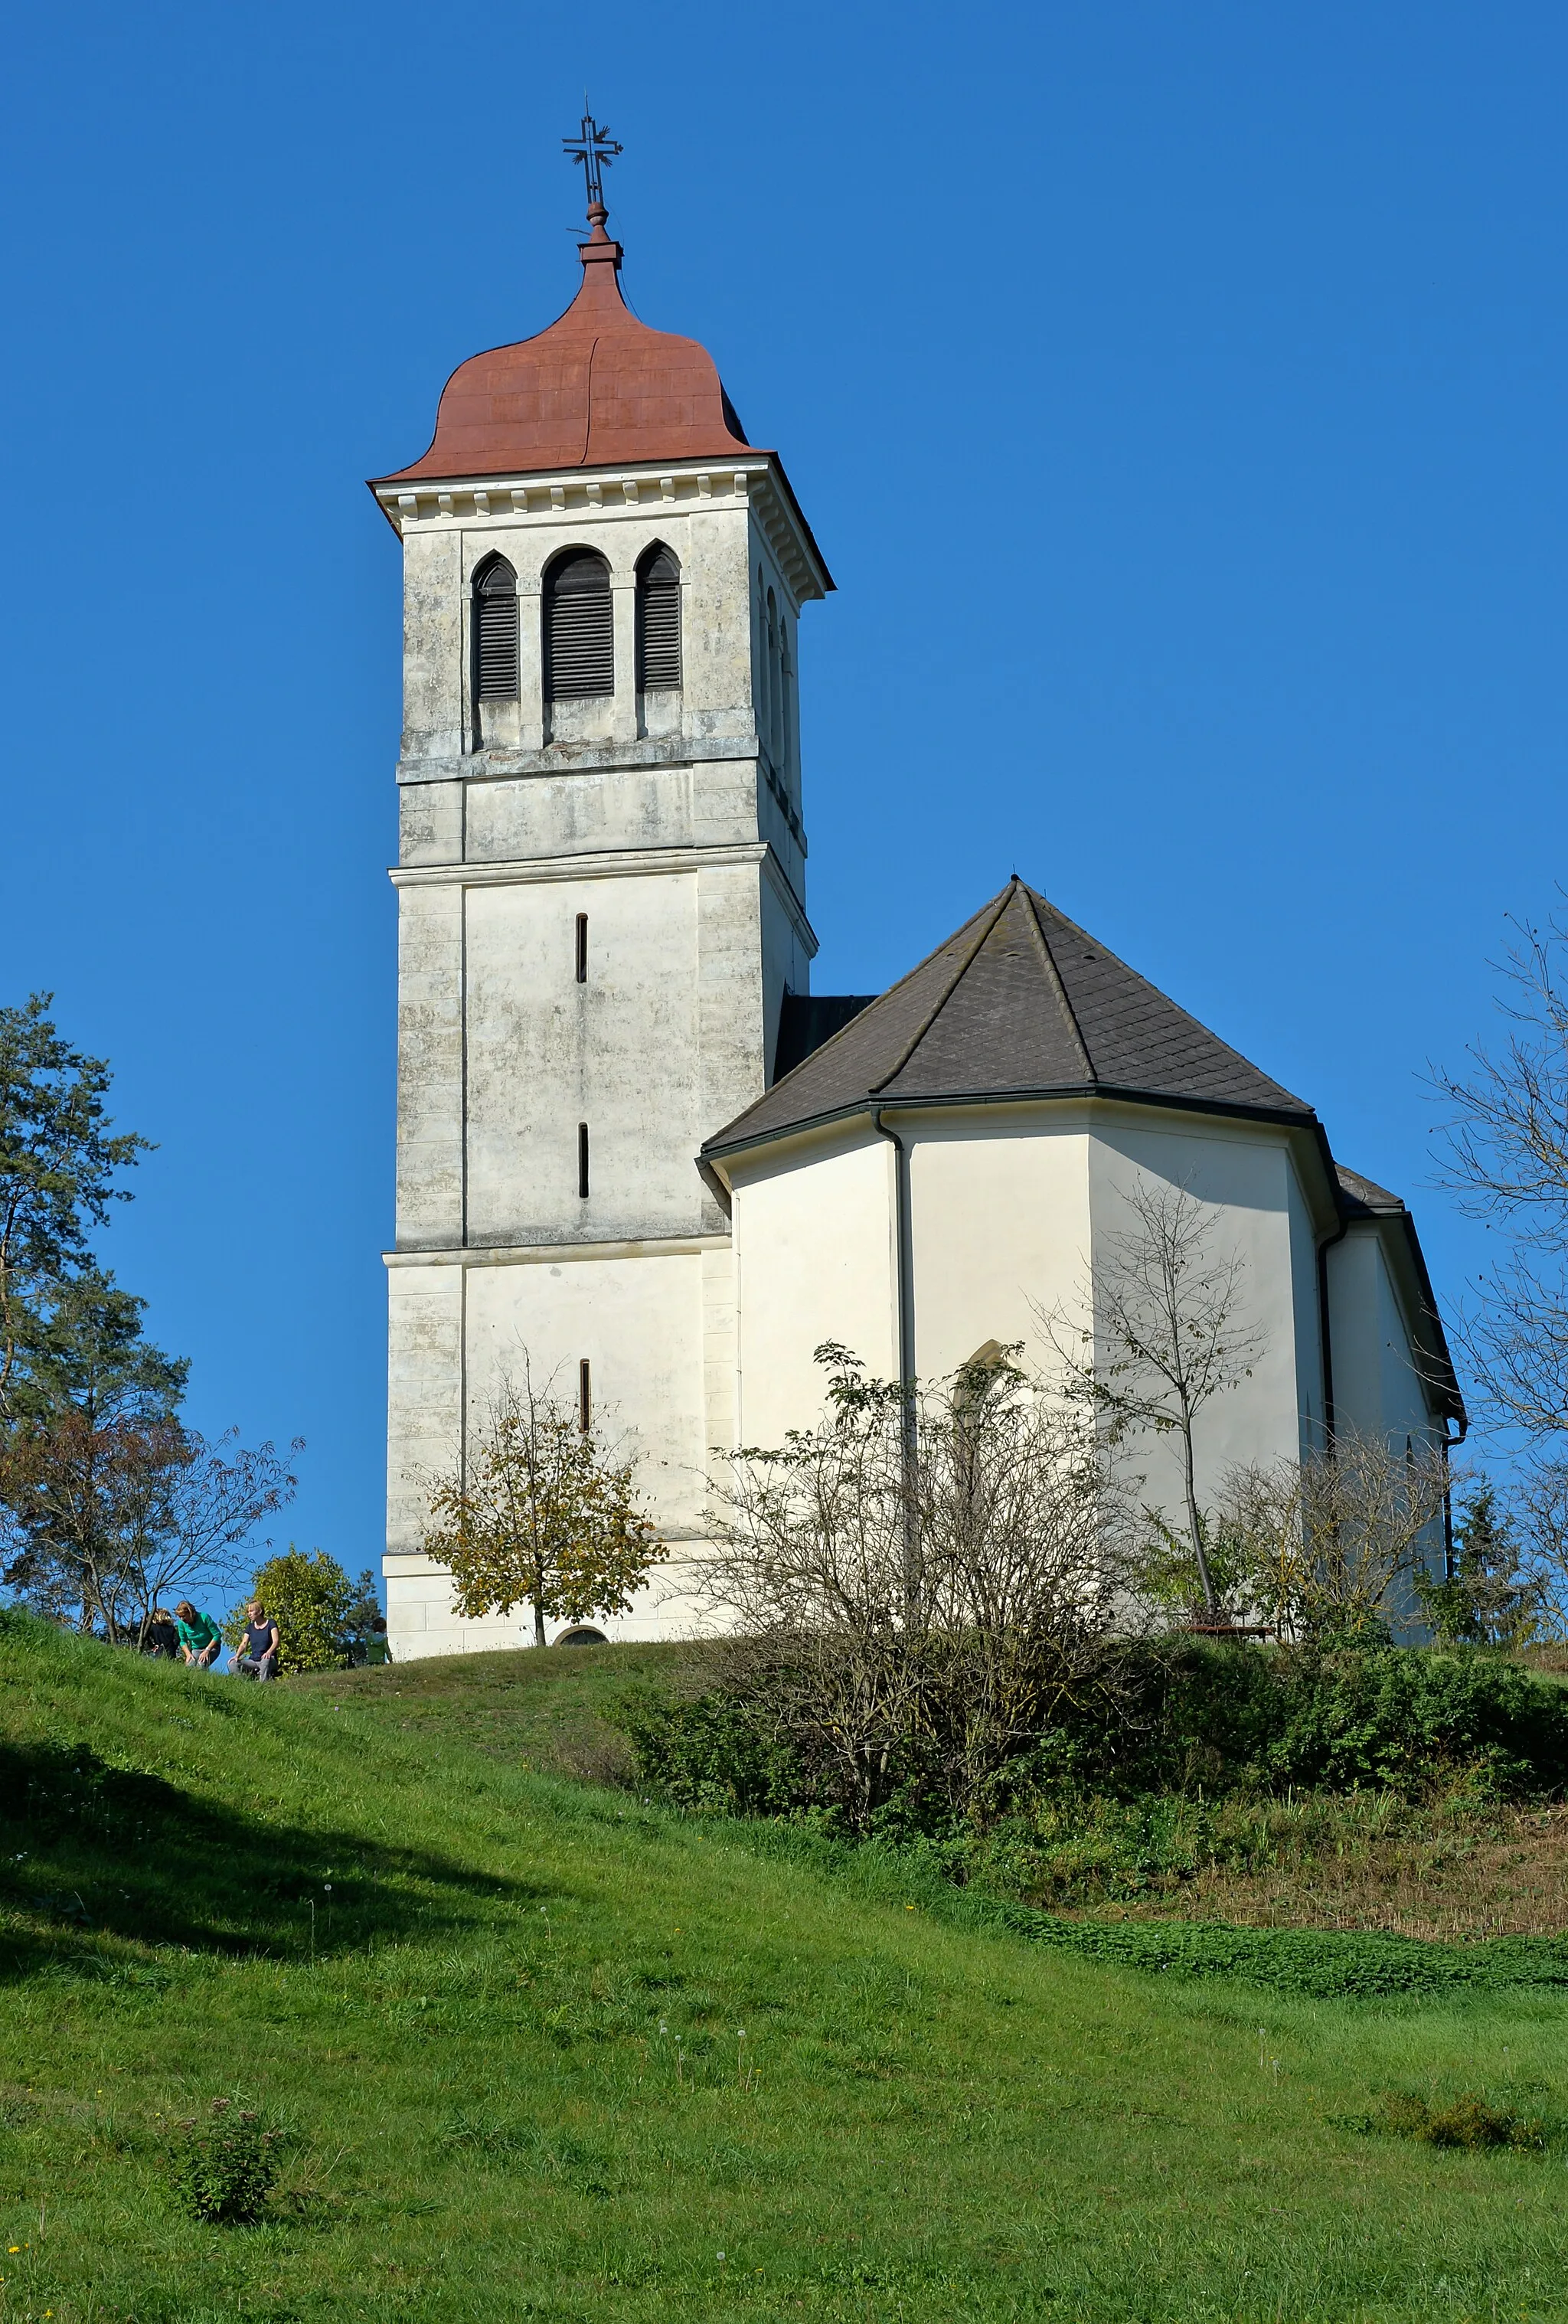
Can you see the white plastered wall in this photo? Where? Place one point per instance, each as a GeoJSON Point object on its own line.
{"type": "Point", "coordinates": [1004, 1204]}
{"type": "Point", "coordinates": [999, 1211]}
{"type": "Point", "coordinates": [1378, 1388]}
{"type": "Point", "coordinates": [813, 1230]}
{"type": "Point", "coordinates": [656, 1328]}
{"type": "Point", "coordinates": [1377, 1382]}
{"type": "Point", "coordinates": [1246, 1182]}
{"type": "Point", "coordinates": [619, 1052]}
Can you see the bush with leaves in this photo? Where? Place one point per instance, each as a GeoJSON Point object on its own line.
{"type": "Point", "coordinates": [1191, 1720]}
{"type": "Point", "coordinates": [224, 2165]}
{"type": "Point", "coordinates": [310, 1599]}
{"type": "Point", "coordinates": [920, 1587]}
{"type": "Point", "coordinates": [708, 1752]}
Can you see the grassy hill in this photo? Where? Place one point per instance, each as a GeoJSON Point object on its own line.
{"type": "Point", "coordinates": [541, 2051]}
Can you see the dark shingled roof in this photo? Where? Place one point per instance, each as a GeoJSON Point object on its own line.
{"type": "Point", "coordinates": [1019, 1000]}
{"type": "Point", "coordinates": [1364, 1198]}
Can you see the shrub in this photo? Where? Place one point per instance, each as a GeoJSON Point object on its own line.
{"type": "Point", "coordinates": [1404, 1721]}
{"type": "Point", "coordinates": [224, 2165]}
{"type": "Point", "coordinates": [1189, 1720]}
{"type": "Point", "coordinates": [706, 1752]}
{"type": "Point", "coordinates": [1467, 2122]}
{"type": "Point", "coordinates": [309, 1597]}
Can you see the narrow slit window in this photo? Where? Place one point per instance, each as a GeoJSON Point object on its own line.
{"type": "Point", "coordinates": [496, 632]}
{"type": "Point", "coordinates": [585, 1396]}
{"type": "Point", "coordinates": [775, 679]}
{"type": "Point", "coordinates": [658, 618]}
{"type": "Point", "coordinates": [582, 948]}
{"type": "Point", "coordinates": [579, 631]}
{"type": "Point", "coordinates": [583, 1161]}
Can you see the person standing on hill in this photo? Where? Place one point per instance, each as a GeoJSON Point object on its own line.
{"type": "Point", "coordinates": [256, 1655]}
{"type": "Point", "coordinates": [201, 1638]}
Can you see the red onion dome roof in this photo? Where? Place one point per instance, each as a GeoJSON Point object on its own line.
{"type": "Point", "coordinates": [597, 389]}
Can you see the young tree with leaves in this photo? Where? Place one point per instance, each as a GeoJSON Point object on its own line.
{"type": "Point", "coordinates": [107, 1502]}
{"type": "Point", "coordinates": [311, 1600]}
{"type": "Point", "coordinates": [1166, 1333]}
{"type": "Point", "coordinates": [541, 1516]}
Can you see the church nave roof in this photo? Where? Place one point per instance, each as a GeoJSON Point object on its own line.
{"type": "Point", "coordinates": [1019, 1001]}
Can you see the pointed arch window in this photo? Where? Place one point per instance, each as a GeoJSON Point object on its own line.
{"type": "Point", "coordinates": [496, 632]}
{"type": "Point", "coordinates": [658, 618]}
{"type": "Point", "coordinates": [579, 631]}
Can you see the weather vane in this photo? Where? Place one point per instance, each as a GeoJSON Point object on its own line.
{"type": "Point", "coordinates": [595, 148]}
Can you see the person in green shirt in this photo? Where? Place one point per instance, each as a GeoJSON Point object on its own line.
{"type": "Point", "coordinates": [200, 1639]}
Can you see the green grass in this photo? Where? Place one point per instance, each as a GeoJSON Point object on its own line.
{"type": "Point", "coordinates": [513, 2080]}
{"type": "Point", "coordinates": [538, 1712]}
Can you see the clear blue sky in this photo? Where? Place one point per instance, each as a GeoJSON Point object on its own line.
{"type": "Point", "coordinates": [1178, 395]}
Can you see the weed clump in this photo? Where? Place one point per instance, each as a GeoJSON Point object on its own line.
{"type": "Point", "coordinates": [1466, 2122]}
{"type": "Point", "coordinates": [224, 2165]}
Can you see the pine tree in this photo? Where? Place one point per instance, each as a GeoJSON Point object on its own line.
{"type": "Point", "coordinates": [1485, 1601]}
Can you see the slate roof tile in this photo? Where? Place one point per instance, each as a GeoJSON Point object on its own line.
{"type": "Point", "coordinates": [1018, 999]}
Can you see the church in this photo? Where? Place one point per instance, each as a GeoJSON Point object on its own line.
{"type": "Point", "coordinates": [631, 1142]}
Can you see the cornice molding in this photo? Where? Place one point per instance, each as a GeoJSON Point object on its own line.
{"type": "Point", "coordinates": [537, 1254]}
{"type": "Point", "coordinates": [615, 863]}
{"type": "Point", "coordinates": [499, 765]}
{"type": "Point", "coordinates": [580, 495]}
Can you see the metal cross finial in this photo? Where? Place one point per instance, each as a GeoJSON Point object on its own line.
{"type": "Point", "coordinates": [595, 150]}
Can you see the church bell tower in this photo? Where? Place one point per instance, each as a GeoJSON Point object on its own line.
{"type": "Point", "coordinates": [601, 887]}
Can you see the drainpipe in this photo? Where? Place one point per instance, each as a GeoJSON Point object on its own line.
{"type": "Point", "coordinates": [905, 1301]}
{"type": "Point", "coordinates": [1451, 1445]}
{"type": "Point", "coordinates": [1325, 1332]}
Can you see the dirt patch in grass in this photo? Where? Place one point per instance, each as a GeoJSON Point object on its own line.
{"type": "Point", "coordinates": [1454, 1873]}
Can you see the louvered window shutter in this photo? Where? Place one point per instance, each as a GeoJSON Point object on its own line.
{"type": "Point", "coordinates": [496, 632]}
{"type": "Point", "coordinates": [579, 640]}
{"type": "Point", "coordinates": [659, 621]}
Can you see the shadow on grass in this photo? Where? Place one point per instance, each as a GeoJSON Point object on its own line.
{"type": "Point", "coordinates": [87, 1850]}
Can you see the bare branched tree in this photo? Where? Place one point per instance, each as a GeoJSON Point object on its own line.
{"type": "Point", "coordinates": [1508, 1165]}
{"type": "Point", "coordinates": [1541, 1508]}
{"type": "Point", "coordinates": [1164, 1334]}
{"type": "Point", "coordinates": [1019, 1573]}
{"type": "Point", "coordinates": [1331, 1545]}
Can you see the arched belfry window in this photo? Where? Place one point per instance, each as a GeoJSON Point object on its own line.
{"type": "Point", "coordinates": [580, 629]}
{"type": "Point", "coordinates": [496, 632]}
{"type": "Point", "coordinates": [658, 618]}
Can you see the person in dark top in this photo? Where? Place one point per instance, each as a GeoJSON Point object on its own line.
{"type": "Point", "coordinates": [161, 1637]}
{"type": "Point", "coordinates": [256, 1655]}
